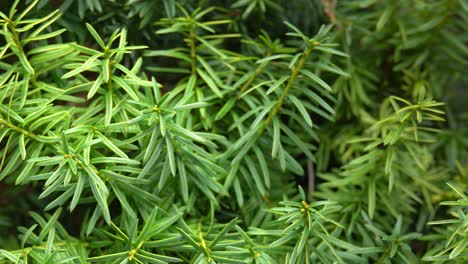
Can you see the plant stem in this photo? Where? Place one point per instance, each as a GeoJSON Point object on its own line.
{"type": "Point", "coordinates": [14, 33]}
{"type": "Point", "coordinates": [384, 255]}
{"type": "Point", "coordinates": [193, 54]}
{"type": "Point", "coordinates": [292, 79]}
{"type": "Point", "coordinates": [25, 251]}
{"type": "Point", "coordinates": [256, 73]}
{"type": "Point", "coordinates": [3, 122]}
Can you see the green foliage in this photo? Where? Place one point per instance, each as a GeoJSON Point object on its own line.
{"type": "Point", "coordinates": [456, 233]}
{"type": "Point", "coordinates": [259, 131]}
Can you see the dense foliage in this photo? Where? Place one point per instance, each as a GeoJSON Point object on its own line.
{"type": "Point", "coordinates": [259, 131]}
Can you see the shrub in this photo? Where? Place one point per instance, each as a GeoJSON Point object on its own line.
{"type": "Point", "coordinates": [263, 131]}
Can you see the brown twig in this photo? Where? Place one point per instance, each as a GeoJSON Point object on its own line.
{"type": "Point", "coordinates": [329, 9]}
{"type": "Point", "coordinates": [311, 177]}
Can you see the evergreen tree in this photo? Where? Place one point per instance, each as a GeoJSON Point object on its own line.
{"type": "Point", "coordinates": [260, 131]}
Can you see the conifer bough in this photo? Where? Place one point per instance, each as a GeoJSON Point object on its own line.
{"type": "Point", "coordinates": [144, 131]}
